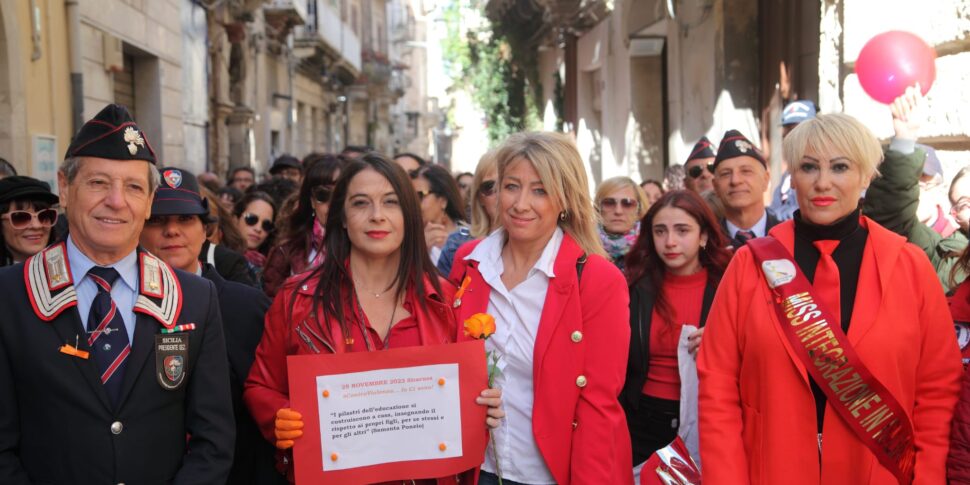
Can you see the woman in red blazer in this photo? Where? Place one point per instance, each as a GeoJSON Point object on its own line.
{"type": "Point", "coordinates": [763, 416]}
{"type": "Point", "coordinates": [561, 314]}
{"type": "Point", "coordinates": [376, 290]}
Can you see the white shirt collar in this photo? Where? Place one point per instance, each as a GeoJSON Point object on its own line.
{"type": "Point", "coordinates": [127, 267]}
{"type": "Point", "coordinates": [759, 228]}
{"type": "Point", "coordinates": [489, 252]}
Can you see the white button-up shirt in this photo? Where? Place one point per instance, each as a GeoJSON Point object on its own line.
{"type": "Point", "coordinates": [760, 228]}
{"type": "Point", "coordinates": [517, 313]}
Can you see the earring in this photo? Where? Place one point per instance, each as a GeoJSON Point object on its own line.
{"type": "Point", "coordinates": [562, 216]}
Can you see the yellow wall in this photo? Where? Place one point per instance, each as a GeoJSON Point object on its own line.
{"type": "Point", "coordinates": [45, 81]}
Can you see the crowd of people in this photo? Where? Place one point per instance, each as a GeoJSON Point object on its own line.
{"type": "Point", "coordinates": [149, 312]}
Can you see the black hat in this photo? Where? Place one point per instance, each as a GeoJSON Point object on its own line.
{"type": "Point", "coordinates": [111, 134]}
{"type": "Point", "coordinates": [19, 187]}
{"type": "Point", "coordinates": [285, 161]}
{"type": "Point", "coordinates": [702, 149]}
{"type": "Point", "coordinates": [734, 145]}
{"type": "Point", "coordinates": [179, 195]}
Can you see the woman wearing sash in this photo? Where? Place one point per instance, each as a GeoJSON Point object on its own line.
{"type": "Point", "coordinates": [561, 312]}
{"type": "Point", "coordinates": [673, 269]}
{"type": "Point", "coordinates": [375, 290]}
{"type": "Point", "coordinates": [829, 355]}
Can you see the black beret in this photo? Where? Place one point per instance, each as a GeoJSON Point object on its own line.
{"type": "Point", "coordinates": [285, 161]}
{"type": "Point", "coordinates": [112, 134]}
{"type": "Point", "coordinates": [734, 145]}
{"type": "Point", "coordinates": [179, 195]}
{"type": "Point", "coordinates": [702, 149]}
{"type": "Point", "coordinates": [18, 187]}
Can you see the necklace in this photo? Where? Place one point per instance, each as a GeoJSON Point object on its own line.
{"type": "Point", "coordinates": [370, 292]}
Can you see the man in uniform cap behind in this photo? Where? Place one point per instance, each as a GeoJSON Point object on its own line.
{"type": "Point", "coordinates": [176, 232]}
{"type": "Point", "coordinates": [112, 364]}
{"type": "Point", "coordinates": [287, 167]}
{"type": "Point", "coordinates": [699, 167]}
{"type": "Point", "coordinates": [740, 180]}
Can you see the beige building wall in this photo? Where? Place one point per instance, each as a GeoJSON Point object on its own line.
{"type": "Point", "coordinates": [150, 31]}
{"type": "Point", "coordinates": [35, 101]}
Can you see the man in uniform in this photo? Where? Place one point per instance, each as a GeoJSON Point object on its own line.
{"type": "Point", "coordinates": [699, 167]}
{"type": "Point", "coordinates": [740, 181]}
{"type": "Point", "coordinates": [112, 364]}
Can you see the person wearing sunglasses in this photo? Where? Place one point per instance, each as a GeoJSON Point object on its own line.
{"type": "Point", "coordinates": [375, 290]}
{"type": "Point", "coordinates": [26, 216]}
{"type": "Point", "coordinates": [699, 167]}
{"type": "Point", "coordinates": [300, 246]}
{"type": "Point", "coordinates": [484, 190]}
{"type": "Point", "coordinates": [255, 215]}
{"type": "Point", "coordinates": [621, 203]}
{"type": "Point", "coordinates": [442, 209]}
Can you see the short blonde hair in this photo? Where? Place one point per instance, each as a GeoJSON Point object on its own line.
{"type": "Point", "coordinates": [835, 134]}
{"type": "Point", "coordinates": [482, 224]}
{"type": "Point", "coordinates": [611, 185]}
{"type": "Point", "coordinates": [556, 159]}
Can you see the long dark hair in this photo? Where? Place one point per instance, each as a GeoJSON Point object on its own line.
{"type": "Point", "coordinates": [249, 198]}
{"type": "Point", "coordinates": [643, 262]}
{"type": "Point", "coordinates": [6, 257]}
{"type": "Point", "coordinates": [299, 223]}
{"type": "Point", "coordinates": [444, 185]}
{"type": "Point", "coordinates": [335, 285]}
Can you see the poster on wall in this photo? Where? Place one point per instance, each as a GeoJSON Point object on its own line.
{"type": "Point", "coordinates": [44, 155]}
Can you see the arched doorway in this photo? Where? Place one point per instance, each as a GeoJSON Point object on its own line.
{"type": "Point", "coordinates": [13, 115]}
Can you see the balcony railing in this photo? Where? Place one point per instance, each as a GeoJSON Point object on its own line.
{"type": "Point", "coordinates": [293, 12]}
{"type": "Point", "coordinates": [324, 27]}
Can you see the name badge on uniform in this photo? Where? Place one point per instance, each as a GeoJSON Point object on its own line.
{"type": "Point", "coordinates": [171, 357]}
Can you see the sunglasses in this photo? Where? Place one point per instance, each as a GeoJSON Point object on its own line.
{"type": "Point", "coordinates": [487, 188]}
{"type": "Point", "coordinates": [253, 219]}
{"type": "Point", "coordinates": [697, 170]}
{"type": "Point", "coordinates": [322, 193]}
{"type": "Point", "coordinates": [21, 219]}
{"type": "Point", "coordinates": [610, 203]}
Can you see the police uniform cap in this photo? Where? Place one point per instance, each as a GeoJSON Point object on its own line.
{"type": "Point", "coordinates": [702, 149]}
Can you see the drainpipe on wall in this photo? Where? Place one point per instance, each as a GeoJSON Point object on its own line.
{"type": "Point", "coordinates": [77, 73]}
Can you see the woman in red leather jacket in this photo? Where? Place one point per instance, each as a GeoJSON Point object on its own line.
{"type": "Point", "coordinates": [376, 290]}
{"type": "Point", "coordinates": [958, 460]}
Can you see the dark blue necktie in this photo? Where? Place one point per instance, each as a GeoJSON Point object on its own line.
{"type": "Point", "coordinates": [742, 236]}
{"type": "Point", "coordinates": [107, 336]}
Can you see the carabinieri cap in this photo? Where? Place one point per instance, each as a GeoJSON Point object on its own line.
{"type": "Point", "coordinates": [112, 134]}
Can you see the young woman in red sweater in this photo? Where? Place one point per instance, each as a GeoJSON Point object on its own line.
{"type": "Point", "coordinates": [673, 270]}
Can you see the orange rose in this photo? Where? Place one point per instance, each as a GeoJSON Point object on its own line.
{"type": "Point", "coordinates": [480, 325]}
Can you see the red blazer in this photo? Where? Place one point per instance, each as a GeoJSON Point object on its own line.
{"type": "Point", "coordinates": [267, 387]}
{"type": "Point", "coordinates": [580, 431]}
{"type": "Point", "coordinates": [757, 412]}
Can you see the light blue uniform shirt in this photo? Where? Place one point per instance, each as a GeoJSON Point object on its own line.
{"type": "Point", "coordinates": [124, 292]}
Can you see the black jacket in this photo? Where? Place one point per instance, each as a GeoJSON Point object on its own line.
{"type": "Point", "coordinates": [231, 265]}
{"type": "Point", "coordinates": [57, 425]}
{"type": "Point", "coordinates": [642, 296]}
{"type": "Point", "coordinates": [243, 310]}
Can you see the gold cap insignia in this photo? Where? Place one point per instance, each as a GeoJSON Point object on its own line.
{"type": "Point", "coordinates": [133, 138]}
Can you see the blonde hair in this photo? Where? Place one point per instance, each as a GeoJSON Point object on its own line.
{"type": "Point", "coordinates": [555, 158]}
{"type": "Point", "coordinates": [614, 184]}
{"type": "Point", "coordinates": [835, 134]}
{"type": "Point", "coordinates": [482, 224]}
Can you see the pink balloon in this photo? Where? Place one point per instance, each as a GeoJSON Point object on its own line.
{"type": "Point", "coordinates": [892, 61]}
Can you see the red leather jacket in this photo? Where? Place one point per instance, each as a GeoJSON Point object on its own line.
{"type": "Point", "coordinates": [958, 460]}
{"type": "Point", "coordinates": [287, 333]}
